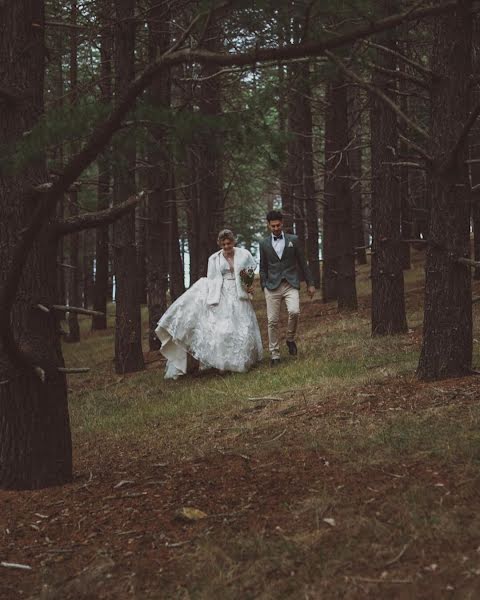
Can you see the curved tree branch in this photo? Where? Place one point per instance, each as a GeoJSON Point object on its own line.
{"type": "Point", "coordinates": [95, 219]}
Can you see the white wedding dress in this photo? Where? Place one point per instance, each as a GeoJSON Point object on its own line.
{"type": "Point", "coordinates": [223, 336]}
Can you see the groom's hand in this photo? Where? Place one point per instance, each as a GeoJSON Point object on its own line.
{"type": "Point", "coordinates": [311, 291]}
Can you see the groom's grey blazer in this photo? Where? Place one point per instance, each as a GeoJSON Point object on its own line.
{"type": "Point", "coordinates": [292, 267]}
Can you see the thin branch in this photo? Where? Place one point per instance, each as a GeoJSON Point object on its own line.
{"type": "Point", "coordinates": [401, 75]}
{"type": "Point", "coordinates": [77, 310]}
{"type": "Point", "coordinates": [404, 163]}
{"type": "Point", "coordinates": [374, 90]}
{"type": "Point", "coordinates": [416, 147]}
{"type": "Point", "coordinates": [427, 72]}
{"type": "Point", "coordinates": [462, 138]}
{"type": "Point", "coordinates": [66, 25]}
{"type": "Point", "coordinates": [468, 262]}
{"type": "Point", "coordinates": [73, 369]}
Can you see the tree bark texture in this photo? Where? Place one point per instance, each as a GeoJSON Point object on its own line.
{"type": "Point", "coordinates": [355, 162]}
{"type": "Point", "coordinates": [35, 441]}
{"type": "Point", "coordinates": [474, 152]}
{"type": "Point", "coordinates": [73, 274]}
{"type": "Point", "coordinates": [128, 335]}
{"type": "Point", "coordinates": [74, 241]}
{"type": "Point", "coordinates": [101, 288]}
{"type": "Point", "coordinates": [209, 214]}
{"type": "Point", "coordinates": [388, 299]}
{"type": "Point", "coordinates": [447, 335]}
{"type": "Point", "coordinates": [175, 263]}
{"type": "Point", "coordinates": [339, 254]}
{"type": "Point", "coordinates": [300, 184]}
{"type": "Point", "coordinates": [157, 243]}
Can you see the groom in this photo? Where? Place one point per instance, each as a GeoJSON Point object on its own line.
{"type": "Point", "coordinates": [282, 266]}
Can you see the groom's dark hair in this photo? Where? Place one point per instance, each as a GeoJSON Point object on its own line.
{"type": "Point", "coordinates": [274, 215]}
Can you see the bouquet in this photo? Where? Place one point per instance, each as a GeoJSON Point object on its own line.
{"type": "Point", "coordinates": [247, 276]}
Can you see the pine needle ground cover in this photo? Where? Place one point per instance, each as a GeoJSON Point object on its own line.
{"type": "Point", "coordinates": [337, 475]}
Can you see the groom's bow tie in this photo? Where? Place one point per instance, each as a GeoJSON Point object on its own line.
{"type": "Point", "coordinates": [280, 237]}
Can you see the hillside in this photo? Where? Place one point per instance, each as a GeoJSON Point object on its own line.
{"type": "Point", "coordinates": [336, 475]}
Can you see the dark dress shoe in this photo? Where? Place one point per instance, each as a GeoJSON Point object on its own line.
{"type": "Point", "coordinates": [292, 348]}
{"type": "Point", "coordinates": [274, 362]}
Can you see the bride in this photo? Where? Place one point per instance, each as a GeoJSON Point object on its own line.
{"type": "Point", "coordinates": [213, 320]}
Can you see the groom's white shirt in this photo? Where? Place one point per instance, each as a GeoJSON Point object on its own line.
{"type": "Point", "coordinates": [279, 245]}
{"type": "Point", "coordinates": [241, 260]}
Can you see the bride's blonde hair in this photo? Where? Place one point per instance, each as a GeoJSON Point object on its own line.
{"type": "Point", "coordinates": [225, 234]}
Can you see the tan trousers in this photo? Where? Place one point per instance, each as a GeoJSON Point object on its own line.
{"type": "Point", "coordinates": [274, 301]}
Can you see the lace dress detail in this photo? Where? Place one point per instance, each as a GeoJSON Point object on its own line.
{"type": "Point", "coordinates": [224, 336]}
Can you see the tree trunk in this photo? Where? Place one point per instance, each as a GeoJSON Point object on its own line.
{"type": "Point", "coordinates": [159, 197]}
{"type": "Point", "coordinates": [73, 275]}
{"type": "Point", "coordinates": [447, 336]}
{"type": "Point", "coordinates": [294, 217]}
{"type": "Point", "coordinates": [283, 110]}
{"type": "Point", "coordinates": [74, 278]}
{"type": "Point", "coordinates": [175, 264]}
{"type": "Point", "coordinates": [128, 334]}
{"type": "Point", "coordinates": [355, 162]}
{"type": "Point", "coordinates": [101, 287]}
{"type": "Point", "coordinates": [141, 244]}
{"type": "Point", "coordinates": [388, 299]}
{"type": "Point", "coordinates": [474, 153]}
{"type": "Point", "coordinates": [405, 211]}
{"type": "Point", "coordinates": [87, 262]}
{"type": "Point", "coordinates": [329, 239]}
{"type": "Point", "coordinates": [309, 191]}
{"type": "Point", "coordinates": [339, 256]}
{"type": "Point", "coordinates": [211, 193]}
{"type": "Point", "coordinates": [35, 441]}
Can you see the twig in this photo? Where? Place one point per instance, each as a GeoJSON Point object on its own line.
{"type": "Point", "coordinates": [76, 309]}
{"type": "Point", "coordinates": [43, 308]}
{"type": "Point", "coordinates": [397, 557]}
{"type": "Point", "coordinates": [468, 262]}
{"type": "Point", "coordinates": [10, 565]}
{"type": "Point", "coordinates": [266, 398]}
{"type": "Point", "coordinates": [277, 437]}
{"type": "Point", "coordinates": [73, 369]}
{"type": "Point", "coordinates": [373, 580]}
{"type": "Point", "coordinates": [416, 147]}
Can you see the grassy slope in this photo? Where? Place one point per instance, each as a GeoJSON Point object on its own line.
{"type": "Point", "coordinates": [397, 461]}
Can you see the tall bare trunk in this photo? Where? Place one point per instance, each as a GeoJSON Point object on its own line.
{"type": "Point", "coordinates": [101, 286]}
{"type": "Point", "coordinates": [355, 162]}
{"type": "Point", "coordinates": [35, 441]}
{"type": "Point", "coordinates": [339, 254]}
{"type": "Point", "coordinates": [128, 338]}
{"type": "Point", "coordinates": [447, 335]}
{"type": "Point", "coordinates": [388, 299]}
{"type": "Point", "coordinates": [74, 278]}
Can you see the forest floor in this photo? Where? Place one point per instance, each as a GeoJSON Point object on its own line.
{"type": "Point", "coordinates": [336, 475]}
